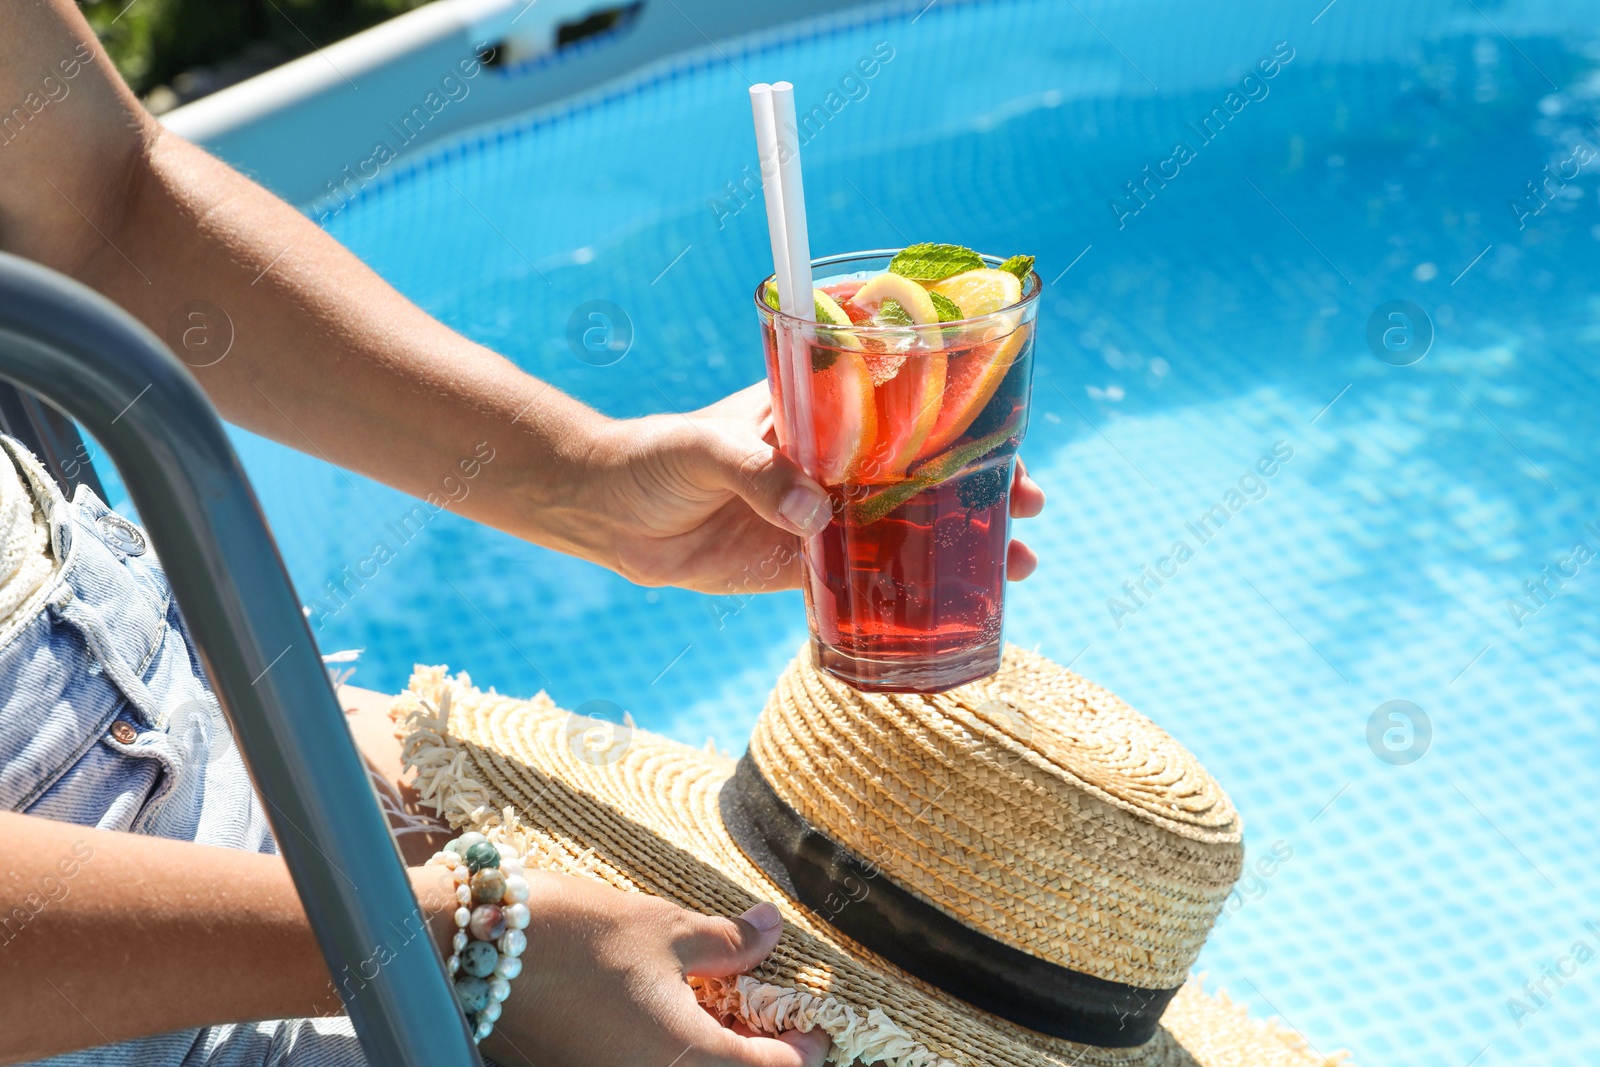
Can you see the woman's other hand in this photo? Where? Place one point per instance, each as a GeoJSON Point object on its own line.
{"type": "Point", "coordinates": [604, 984]}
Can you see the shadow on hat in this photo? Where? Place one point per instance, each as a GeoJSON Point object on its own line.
{"type": "Point", "coordinates": [1017, 872]}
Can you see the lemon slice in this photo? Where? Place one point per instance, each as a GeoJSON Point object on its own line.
{"type": "Point", "coordinates": [980, 292]}
{"type": "Point", "coordinates": [829, 313]}
{"type": "Point", "coordinates": [907, 293]}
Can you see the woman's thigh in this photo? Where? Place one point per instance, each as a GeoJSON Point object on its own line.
{"type": "Point", "coordinates": [367, 711]}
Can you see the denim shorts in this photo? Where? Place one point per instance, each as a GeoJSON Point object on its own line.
{"type": "Point", "coordinates": [107, 720]}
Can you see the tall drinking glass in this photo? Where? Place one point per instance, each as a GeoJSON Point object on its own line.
{"type": "Point", "coordinates": [914, 432]}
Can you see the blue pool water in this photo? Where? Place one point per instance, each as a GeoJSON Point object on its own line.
{"type": "Point", "coordinates": [1184, 336]}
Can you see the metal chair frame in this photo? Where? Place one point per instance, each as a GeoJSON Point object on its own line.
{"type": "Point", "coordinates": [71, 351]}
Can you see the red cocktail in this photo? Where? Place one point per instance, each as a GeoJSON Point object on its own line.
{"type": "Point", "coordinates": [918, 398]}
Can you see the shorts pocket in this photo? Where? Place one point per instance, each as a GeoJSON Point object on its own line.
{"type": "Point", "coordinates": [115, 781]}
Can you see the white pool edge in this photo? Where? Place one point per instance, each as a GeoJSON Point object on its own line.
{"type": "Point", "coordinates": [301, 129]}
{"type": "Point", "coordinates": [327, 69]}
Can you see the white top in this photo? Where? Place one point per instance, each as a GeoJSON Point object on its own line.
{"type": "Point", "coordinates": [26, 562]}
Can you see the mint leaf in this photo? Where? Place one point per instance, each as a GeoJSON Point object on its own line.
{"type": "Point", "coordinates": [891, 313]}
{"type": "Point", "coordinates": [822, 358]}
{"type": "Point", "coordinates": [932, 263]}
{"type": "Point", "coordinates": [949, 310]}
{"type": "Point", "coordinates": [771, 297]}
{"type": "Point", "coordinates": [1021, 266]}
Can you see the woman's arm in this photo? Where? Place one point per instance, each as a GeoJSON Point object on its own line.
{"type": "Point", "coordinates": [326, 357]}
{"type": "Point", "coordinates": [106, 937]}
{"type": "Point", "coordinates": [109, 936]}
{"type": "Point", "coordinates": [329, 359]}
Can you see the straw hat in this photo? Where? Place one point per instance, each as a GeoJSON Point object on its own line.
{"type": "Point", "coordinates": [1019, 872]}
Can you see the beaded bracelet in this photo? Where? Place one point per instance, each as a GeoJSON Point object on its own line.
{"type": "Point", "coordinates": [489, 941]}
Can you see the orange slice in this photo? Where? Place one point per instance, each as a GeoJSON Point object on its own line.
{"type": "Point", "coordinates": [970, 383]}
{"type": "Point", "coordinates": [980, 292]}
{"type": "Point", "coordinates": [908, 406]}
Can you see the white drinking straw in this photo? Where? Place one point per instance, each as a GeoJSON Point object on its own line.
{"type": "Point", "coordinates": [772, 192]}
{"type": "Point", "coordinates": [796, 236]}
{"type": "Point", "coordinates": [780, 171]}
{"type": "Point", "coordinates": [772, 189]}
{"type": "Point", "coordinates": [798, 242]}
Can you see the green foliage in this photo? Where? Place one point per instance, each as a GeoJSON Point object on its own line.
{"type": "Point", "coordinates": [932, 263]}
{"type": "Point", "coordinates": [1021, 266]}
{"type": "Point", "coordinates": [949, 310]}
{"type": "Point", "coordinates": [152, 41]}
{"type": "Point", "coordinates": [893, 313]}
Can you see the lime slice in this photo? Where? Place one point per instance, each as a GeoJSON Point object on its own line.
{"type": "Point", "coordinates": [981, 292]}
{"type": "Point", "coordinates": [829, 313]}
{"type": "Point", "coordinates": [930, 472]}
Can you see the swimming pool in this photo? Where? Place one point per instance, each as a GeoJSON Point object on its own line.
{"type": "Point", "coordinates": [1197, 333]}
